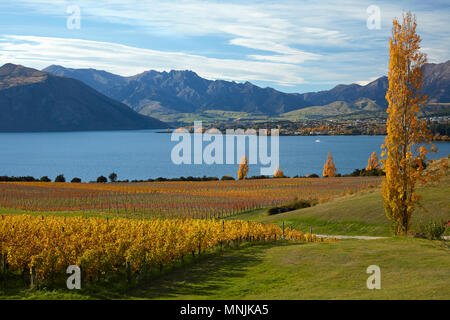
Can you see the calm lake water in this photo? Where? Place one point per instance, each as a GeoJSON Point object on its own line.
{"type": "Point", "coordinates": [146, 154]}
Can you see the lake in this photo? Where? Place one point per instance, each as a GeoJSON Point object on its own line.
{"type": "Point", "coordinates": [147, 154]}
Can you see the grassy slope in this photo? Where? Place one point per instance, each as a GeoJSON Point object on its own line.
{"type": "Point", "coordinates": [360, 214]}
{"type": "Point", "coordinates": [410, 269]}
{"type": "Point", "coordinates": [208, 117]}
{"type": "Point", "coordinates": [333, 109]}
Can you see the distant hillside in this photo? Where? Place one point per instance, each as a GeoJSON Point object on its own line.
{"type": "Point", "coordinates": [32, 100]}
{"type": "Point", "coordinates": [436, 86]}
{"type": "Point", "coordinates": [174, 92]}
{"type": "Point", "coordinates": [336, 108]}
{"type": "Point", "coordinates": [374, 91]}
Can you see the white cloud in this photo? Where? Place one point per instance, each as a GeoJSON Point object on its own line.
{"type": "Point", "coordinates": [285, 53]}
{"type": "Point", "coordinates": [254, 25]}
{"type": "Point", "coordinates": [39, 52]}
{"type": "Point", "coordinates": [365, 82]}
{"type": "Point", "coordinates": [284, 42]}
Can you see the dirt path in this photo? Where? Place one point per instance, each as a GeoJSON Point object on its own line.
{"type": "Point", "coordinates": [447, 238]}
{"type": "Point", "coordinates": [349, 237]}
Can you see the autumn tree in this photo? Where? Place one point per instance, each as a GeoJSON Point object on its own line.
{"type": "Point", "coordinates": [404, 148]}
{"type": "Point", "coordinates": [373, 162]}
{"type": "Point", "coordinates": [60, 178]}
{"type": "Point", "coordinates": [243, 168]}
{"type": "Point", "coordinates": [102, 179]}
{"type": "Point", "coordinates": [278, 173]}
{"type": "Point", "coordinates": [329, 170]}
{"type": "Point", "coordinates": [113, 177]}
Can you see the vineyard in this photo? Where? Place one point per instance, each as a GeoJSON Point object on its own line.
{"type": "Point", "coordinates": [208, 199]}
{"type": "Point", "coordinates": [164, 227]}
{"type": "Point", "coordinates": [46, 246]}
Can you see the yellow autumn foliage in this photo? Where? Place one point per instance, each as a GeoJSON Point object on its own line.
{"type": "Point", "coordinates": [329, 169]}
{"type": "Point", "coordinates": [373, 163]}
{"type": "Point", "coordinates": [278, 173]}
{"type": "Point", "coordinates": [102, 246]}
{"type": "Point", "coordinates": [243, 168]}
{"type": "Point", "coordinates": [404, 150]}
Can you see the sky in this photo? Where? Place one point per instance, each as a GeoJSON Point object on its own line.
{"type": "Point", "coordinates": [292, 46]}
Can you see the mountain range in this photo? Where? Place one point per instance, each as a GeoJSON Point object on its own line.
{"type": "Point", "coordinates": [33, 100]}
{"type": "Point", "coordinates": [62, 99]}
{"type": "Point", "coordinates": [159, 93]}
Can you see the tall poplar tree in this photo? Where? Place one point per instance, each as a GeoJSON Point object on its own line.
{"type": "Point", "coordinates": [373, 162]}
{"type": "Point", "coordinates": [329, 169]}
{"type": "Point", "coordinates": [243, 168]}
{"type": "Point", "coordinates": [278, 173]}
{"type": "Point", "coordinates": [404, 147]}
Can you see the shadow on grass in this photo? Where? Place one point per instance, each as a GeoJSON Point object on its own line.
{"type": "Point", "coordinates": [206, 276]}
{"type": "Point", "coordinates": [202, 276]}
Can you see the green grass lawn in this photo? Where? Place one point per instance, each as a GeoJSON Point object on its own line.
{"type": "Point", "coordinates": [360, 214]}
{"type": "Point", "coordinates": [410, 269]}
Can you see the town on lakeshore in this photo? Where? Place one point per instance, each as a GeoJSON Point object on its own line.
{"type": "Point", "coordinates": [439, 126]}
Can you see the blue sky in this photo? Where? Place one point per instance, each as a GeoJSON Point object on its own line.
{"type": "Point", "coordinates": [293, 46]}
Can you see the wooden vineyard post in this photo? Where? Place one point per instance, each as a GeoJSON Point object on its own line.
{"type": "Point", "coordinates": [82, 277]}
{"type": "Point", "coordinates": [128, 271]}
{"type": "Point", "coordinates": [223, 232]}
{"type": "Point", "coordinates": [33, 277]}
{"type": "Point", "coordinates": [4, 266]}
